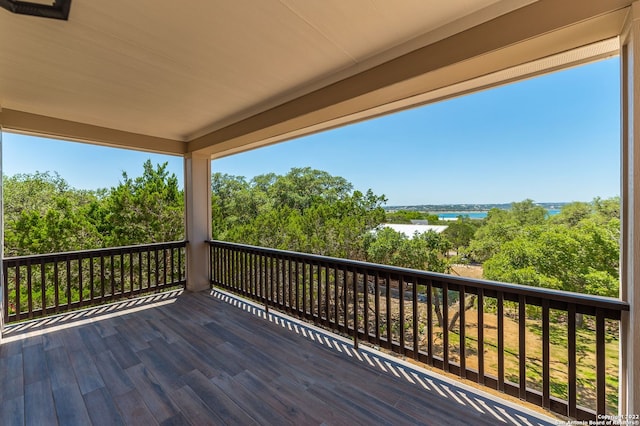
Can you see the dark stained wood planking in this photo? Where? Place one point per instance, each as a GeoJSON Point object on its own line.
{"type": "Point", "coordinates": [198, 360]}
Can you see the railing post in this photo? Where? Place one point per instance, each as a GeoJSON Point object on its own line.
{"type": "Point", "coordinates": [629, 401]}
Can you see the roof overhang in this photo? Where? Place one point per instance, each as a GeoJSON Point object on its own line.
{"type": "Point", "coordinates": [502, 42]}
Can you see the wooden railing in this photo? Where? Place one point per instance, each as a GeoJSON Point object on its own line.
{"type": "Point", "coordinates": [40, 285]}
{"type": "Point", "coordinates": [517, 339]}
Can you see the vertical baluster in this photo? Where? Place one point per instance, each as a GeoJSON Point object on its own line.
{"type": "Point", "coordinates": [290, 282]}
{"type": "Point", "coordinates": [80, 272]}
{"type": "Point", "coordinates": [272, 268]}
{"type": "Point", "coordinates": [181, 252]}
{"type": "Point", "coordinates": [545, 354]}
{"type": "Point", "coordinates": [463, 337]}
{"type": "Point", "coordinates": [601, 406]}
{"type": "Point", "coordinates": [312, 300]}
{"type": "Point", "coordinates": [414, 298]}
{"type": "Point", "coordinates": [522, 351]}
{"type": "Point", "coordinates": [122, 273]}
{"type": "Point", "coordinates": [113, 275]}
{"type": "Point", "coordinates": [481, 336]}
{"type": "Point", "coordinates": [29, 290]}
{"type": "Point", "coordinates": [240, 269]}
{"type": "Point", "coordinates": [355, 308]}
{"type": "Point", "coordinates": [326, 292]}
{"type": "Point", "coordinates": [102, 278]}
{"type": "Point", "coordinates": [429, 322]}
{"type": "Point", "coordinates": [500, 314]}
{"type": "Point", "coordinates": [445, 327]}
{"type": "Point", "coordinates": [231, 277]}
{"type": "Point", "coordinates": [213, 260]}
{"type": "Point", "coordinates": [56, 289]}
{"type": "Point", "coordinates": [255, 268]}
{"type": "Point", "coordinates": [68, 291]}
{"type": "Point", "coordinates": [279, 280]}
{"type": "Point", "coordinates": [365, 303]}
{"type": "Point", "coordinates": [172, 263]}
{"type": "Point", "coordinates": [335, 297]}
{"type": "Point", "coordinates": [156, 269]}
{"type": "Point", "coordinates": [388, 314]}
{"type": "Point", "coordinates": [164, 266]}
{"type": "Point", "coordinates": [140, 279]}
{"type": "Point", "coordinates": [262, 275]}
{"type": "Point", "coordinates": [131, 287]}
{"type": "Point", "coordinates": [148, 256]}
{"type": "Point", "coordinates": [223, 266]}
{"type": "Point", "coordinates": [17, 290]}
{"type": "Point", "coordinates": [43, 287]}
{"type": "Point", "coordinates": [403, 350]}
{"type": "Point", "coordinates": [376, 303]}
{"type": "Point", "coordinates": [236, 270]}
{"type": "Point", "coordinates": [231, 268]}
{"type": "Point", "coordinates": [571, 358]}
{"type": "Point", "coordinates": [345, 302]}
{"type": "Point", "coordinates": [91, 279]}
{"type": "Point", "coordinates": [251, 273]}
{"type": "Point", "coordinates": [304, 286]}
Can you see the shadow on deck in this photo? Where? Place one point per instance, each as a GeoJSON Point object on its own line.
{"type": "Point", "coordinates": [211, 358]}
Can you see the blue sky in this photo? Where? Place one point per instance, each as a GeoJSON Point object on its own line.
{"type": "Point", "coordinates": [552, 138]}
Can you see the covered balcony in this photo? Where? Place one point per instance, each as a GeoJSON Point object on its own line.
{"type": "Point", "coordinates": [157, 334]}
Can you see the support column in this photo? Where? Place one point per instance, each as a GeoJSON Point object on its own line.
{"type": "Point", "coordinates": [1, 241]}
{"type": "Point", "coordinates": [197, 188]}
{"type": "Point", "coordinates": [629, 402]}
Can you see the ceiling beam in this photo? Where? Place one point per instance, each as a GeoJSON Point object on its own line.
{"type": "Point", "coordinates": [541, 29]}
{"type": "Point", "coordinates": [39, 125]}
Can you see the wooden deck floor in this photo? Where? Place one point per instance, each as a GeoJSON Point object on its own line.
{"type": "Point", "coordinates": [205, 358]}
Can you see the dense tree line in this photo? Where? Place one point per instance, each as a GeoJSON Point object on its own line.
{"type": "Point", "coordinates": [305, 210]}
{"type": "Point", "coordinates": [312, 211]}
{"type": "Point", "coordinates": [42, 214]}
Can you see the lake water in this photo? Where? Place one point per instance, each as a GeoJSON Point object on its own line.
{"type": "Point", "coordinates": [479, 215]}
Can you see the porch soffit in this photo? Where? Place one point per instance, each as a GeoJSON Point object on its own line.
{"type": "Point", "coordinates": [219, 77]}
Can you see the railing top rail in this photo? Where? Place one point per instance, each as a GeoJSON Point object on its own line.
{"type": "Point", "coordinates": [92, 252]}
{"type": "Point", "coordinates": [518, 289]}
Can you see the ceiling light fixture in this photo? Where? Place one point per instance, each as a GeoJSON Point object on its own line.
{"type": "Point", "coordinates": [58, 9]}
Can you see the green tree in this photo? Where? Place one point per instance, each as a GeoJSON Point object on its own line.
{"type": "Point", "coordinates": [426, 251]}
{"type": "Point", "coordinates": [44, 215]}
{"type": "Point", "coordinates": [403, 216]}
{"type": "Point", "coordinates": [305, 210]}
{"type": "Point", "coordinates": [460, 232]}
{"type": "Point", "coordinates": [145, 209]}
{"type": "Point", "coordinates": [583, 258]}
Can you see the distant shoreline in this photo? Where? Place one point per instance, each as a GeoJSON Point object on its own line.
{"type": "Point", "coordinates": [467, 208]}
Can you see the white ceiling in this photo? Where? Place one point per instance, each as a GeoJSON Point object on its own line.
{"type": "Point", "coordinates": [180, 76]}
{"type": "Point", "coordinates": [176, 69]}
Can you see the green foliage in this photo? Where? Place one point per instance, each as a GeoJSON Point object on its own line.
{"type": "Point", "coordinates": [403, 216]}
{"type": "Point", "coordinates": [146, 209]}
{"type": "Point", "coordinates": [305, 210]}
{"type": "Point", "coordinates": [425, 251]}
{"type": "Point", "coordinates": [312, 211]}
{"type": "Point", "coordinates": [44, 215]}
{"type": "Point", "coordinates": [460, 232]}
{"type": "Point", "coordinates": [578, 250]}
